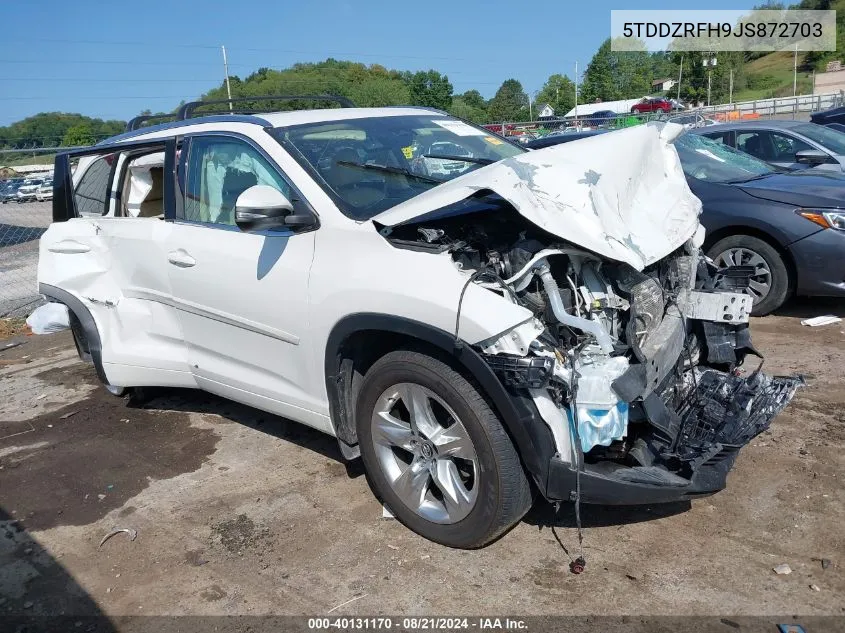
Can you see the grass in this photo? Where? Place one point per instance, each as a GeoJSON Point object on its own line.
{"type": "Point", "coordinates": [10, 160]}
{"type": "Point", "coordinates": [778, 66]}
{"type": "Point", "coordinates": [12, 326]}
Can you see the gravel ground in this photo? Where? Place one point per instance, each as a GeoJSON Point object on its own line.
{"type": "Point", "coordinates": [20, 227]}
{"type": "Point", "coordinates": [241, 512]}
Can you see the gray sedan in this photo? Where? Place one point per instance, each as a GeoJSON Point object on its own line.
{"type": "Point", "coordinates": [787, 144]}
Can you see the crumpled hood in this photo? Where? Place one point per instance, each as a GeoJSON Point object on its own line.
{"type": "Point", "coordinates": [622, 195]}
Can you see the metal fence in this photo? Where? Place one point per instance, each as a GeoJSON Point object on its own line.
{"type": "Point", "coordinates": [21, 225]}
{"type": "Point", "coordinates": [784, 107]}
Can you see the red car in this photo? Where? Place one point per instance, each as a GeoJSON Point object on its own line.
{"type": "Point", "coordinates": [658, 104]}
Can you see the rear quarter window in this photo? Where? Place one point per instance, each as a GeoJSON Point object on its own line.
{"type": "Point", "coordinates": [92, 193]}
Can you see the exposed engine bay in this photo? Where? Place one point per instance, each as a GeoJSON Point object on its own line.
{"type": "Point", "coordinates": [641, 375]}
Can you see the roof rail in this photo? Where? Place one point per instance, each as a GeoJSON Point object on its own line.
{"type": "Point", "coordinates": [136, 123]}
{"type": "Point", "coordinates": [187, 110]}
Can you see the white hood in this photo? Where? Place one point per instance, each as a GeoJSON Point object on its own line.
{"type": "Point", "coordinates": [622, 195]}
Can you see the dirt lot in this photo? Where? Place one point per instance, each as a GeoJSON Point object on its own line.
{"type": "Point", "coordinates": [240, 512]}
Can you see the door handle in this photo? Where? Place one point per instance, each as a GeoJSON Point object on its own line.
{"type": "Point", "coordinates": [69, 247]}
{"type": "Point", "coordinates": [180, 258]}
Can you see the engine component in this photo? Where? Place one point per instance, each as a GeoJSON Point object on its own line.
{"type": "Point", "coordinates": [586, 325]}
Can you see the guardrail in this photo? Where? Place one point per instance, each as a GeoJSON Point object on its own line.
{"type": "Point", "coordinates": [774, 106]}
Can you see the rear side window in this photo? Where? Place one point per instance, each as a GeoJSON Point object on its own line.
{"type": "Point", "coordinates": [92, 192]}
{"type": "Point", "coordinates": [720, 137]}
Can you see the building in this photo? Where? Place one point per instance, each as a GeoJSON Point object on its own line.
{"type": "Point", "coordinates": [619, 107]}
{"type": "Point", "coordinates": [546, 111]}
{"type": "Point", "coordinates": [662, 85]}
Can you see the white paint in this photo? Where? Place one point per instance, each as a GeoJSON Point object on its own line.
{"type": "Point", "coordinates": [622, 195]}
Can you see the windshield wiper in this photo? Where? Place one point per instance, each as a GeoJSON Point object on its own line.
{"type": "Point", "coordinates": [465, 159]}
{"type": "Point", "coordinates": [739, 181]}
{"type": "Point", "coordinates": [396, 171]}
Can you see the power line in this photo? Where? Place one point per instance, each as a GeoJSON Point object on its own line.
{"type": "Point", "coordinates": [114, 79]}
{"type": "Point", "coordinates": [249, 49]}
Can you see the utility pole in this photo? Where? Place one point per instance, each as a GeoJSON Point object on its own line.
{"type": "Point", "coordinates": [731, 88]}
{"type": "Point", "coordinates": [795, 72]}
{"type": "Point", "coordinates": [709, 78]}
{"type": "Point", "coordinates": [576, 94]}
{"type": "Point", "coordinates": [530, 111]}
{"type": "Point", "coordinates": [680, 76]}
{"type": "Point", "coordinates": [226, 72]}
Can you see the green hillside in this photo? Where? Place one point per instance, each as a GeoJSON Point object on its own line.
{"type": "Point", "coordinates": [772, 76]}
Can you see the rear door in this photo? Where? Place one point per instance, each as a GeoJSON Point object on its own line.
{"type": "Point", "coordinates": [114, 264]}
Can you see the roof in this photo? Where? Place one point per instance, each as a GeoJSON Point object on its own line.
{"type": "Point", "coordinates": [657, 82]}
{"type": "Point", "coordinates": [275, 119]}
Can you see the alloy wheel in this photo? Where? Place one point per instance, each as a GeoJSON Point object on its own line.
{"type": "Point", "coordinates": [425, 453]}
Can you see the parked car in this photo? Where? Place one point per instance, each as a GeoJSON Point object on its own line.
{"type": "Point", "coordinates": [44, 191]}
{"type": "Point", "coordinates": [459, 334]}
{"type": "Point", "coordinates": [602, 117]}
{"type": "Point", "coordinates": [652, 104]}
{"type": "Point", "coordinates": [556, 139]}
{"type": "Point", "coordinates": [787, 144]}
{"type": "Point", "coordinates": [26, 192]}
{"type": "Point", "coordinates": [828, 117]}
{"type": "Point", "coordinates": [789, 226]}
{"type": "Point", "coordinates": [690, 121]}
{"type": "Point", "coordinates": [10, 191]}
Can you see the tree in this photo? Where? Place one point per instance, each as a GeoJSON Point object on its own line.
{"type": "Point", "coordinates": [559, 92]}
{"type": "Point", "coordinates": [380, 91]}
{"type": "Point", "coordinates": [77, 135]}
{"type": "Point", "coordinates": [474, 99]}
{"type": "Point", "coordinates": [509, 103]}
{"type": "Point", "coordinates": [613, 75]}
{"type": "Point", "coordinates": [430, 89]}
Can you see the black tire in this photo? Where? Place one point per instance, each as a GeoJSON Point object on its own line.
{"type": "Point", "coordinates": [504, 493]}
{"type": "Point", "coordinates": [780, 287]}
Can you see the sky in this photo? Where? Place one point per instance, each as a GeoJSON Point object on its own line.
{"type": "Point", "coordinates": [112, 59]}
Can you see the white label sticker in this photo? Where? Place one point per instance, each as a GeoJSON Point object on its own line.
{"type": "Point", "coordinates": [459, 127]}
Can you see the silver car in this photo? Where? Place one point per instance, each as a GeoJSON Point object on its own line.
{"type": "Point", "coordinates": [788, 144]}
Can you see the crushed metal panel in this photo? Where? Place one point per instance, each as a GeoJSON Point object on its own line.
{"type": "Point", "coordinates": [622, 195]}
{"type": "Point", "coordinates": [727, 307]}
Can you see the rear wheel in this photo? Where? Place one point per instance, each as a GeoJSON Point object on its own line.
{"type": "Point", "coordinates": [769, 285]}
{"type": "Point", "coordinates": [436, 453]}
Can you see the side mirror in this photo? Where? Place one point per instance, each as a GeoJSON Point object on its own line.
{"type": "Point", "coordinates": [811, 157]}
{"type": "Point", "coordinates": [262, 207]}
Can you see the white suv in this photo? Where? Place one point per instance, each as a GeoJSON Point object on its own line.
{"type": "Point", "coordinates": [532, 322]}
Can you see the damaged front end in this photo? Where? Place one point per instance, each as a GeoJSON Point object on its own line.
{"type": "Point", "coordinates": [639, 373]}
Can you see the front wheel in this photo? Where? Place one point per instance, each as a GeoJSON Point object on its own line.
{"type": "Point", "coordinates": [770, 285]}
{"type": "Point", "coordinates": [436, 453]}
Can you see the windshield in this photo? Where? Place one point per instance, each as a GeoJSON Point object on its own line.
{"type": "Point", "coordinates": [372, 164]}
{"type": "Point", "coordinates": [706, 159]}
{"type": "Point", "coordinates": [829, 138]}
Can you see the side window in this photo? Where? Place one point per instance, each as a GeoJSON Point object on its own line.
{"type": "Point", "coordinates": [786, 146]}
{"type": "Point", "coordinates": [92, 192]}
{"type": "Point", "coordinates": [218, 171]}
{"type": "Point", "coordinates": [758, 144]}
{"type": "Point", "coordinates": [719, 137]}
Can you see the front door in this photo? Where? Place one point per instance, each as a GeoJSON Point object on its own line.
{"type": "Point", "coordinates": [242, 297]}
